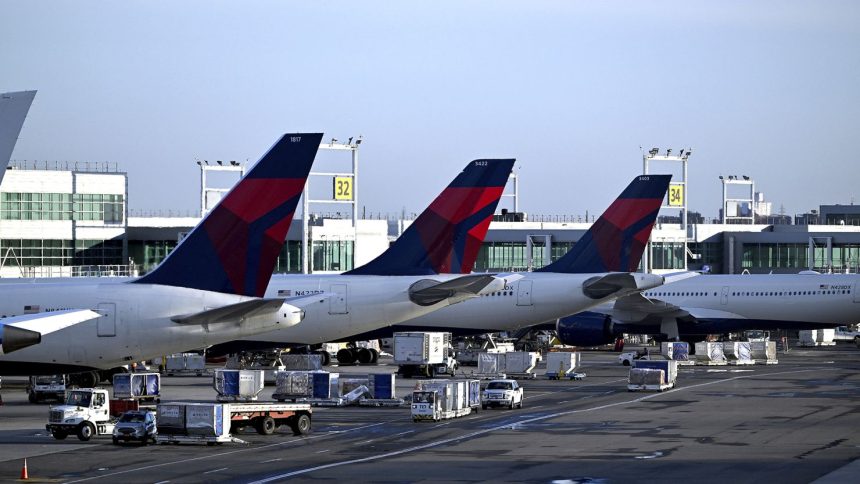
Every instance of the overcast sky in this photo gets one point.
(571, 89)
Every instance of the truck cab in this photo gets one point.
(45, 387)
(426, 405)
(85, 413)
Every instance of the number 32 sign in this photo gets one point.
(343, 188)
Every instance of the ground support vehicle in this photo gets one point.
(502, 393)
(424, 354)
(85, 414)
(135, 426)
(844, 333)
(184, 364)
(676, 350)
(628, 357)
(213, 423)
(437, 400)
(46, 387)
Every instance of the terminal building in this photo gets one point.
(70, 219)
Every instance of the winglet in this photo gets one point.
(615, 242)
(234, 249)
(446, 237)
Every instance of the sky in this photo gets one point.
(575, 90)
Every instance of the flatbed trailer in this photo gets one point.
(266, 417)
(215, 423)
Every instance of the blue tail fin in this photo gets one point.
(615, 242)
(446, 237)
(234, 249)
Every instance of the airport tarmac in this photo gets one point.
(792, 422)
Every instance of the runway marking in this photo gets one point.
(509, 425)
(364, 442)
(238, 451)
(321, 451)
(403, 433)
(216, 470)
(162, 482)
(270, 460)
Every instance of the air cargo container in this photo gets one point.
(562, 364)
(669, 367)
(137, 386)
(237, 385)
(184, 364)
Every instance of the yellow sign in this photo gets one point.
(676, 195)
(343, 188)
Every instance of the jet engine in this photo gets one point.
(586, 329)
(13, 338)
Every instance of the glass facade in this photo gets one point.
(61, 206)
(331, 255)
(766, 256)
(38, 252)
(513, 256)
(667, 255)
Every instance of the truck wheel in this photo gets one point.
(60, 434)
(483, 407)
(375, 359)
(266, 425)
(325, 357)
(511, 405)
(301, 424)
(520, 405)
(626, 362)
(86, 431)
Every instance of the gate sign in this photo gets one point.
(676, 195)
(343, 188)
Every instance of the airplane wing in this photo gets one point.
(428, 292)
(260, 307)
(19, 332)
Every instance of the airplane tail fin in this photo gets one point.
(14, 107)
(615, 242)
(234, 249)
(446, 237)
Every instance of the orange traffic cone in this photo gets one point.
(24, 475)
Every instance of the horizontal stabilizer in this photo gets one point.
(274, 308)
(428, 292)
(19, 332)
(619, 283)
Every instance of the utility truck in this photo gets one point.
(46, 387)
(424, 354)
(85, 414)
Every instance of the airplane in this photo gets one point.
(419, 273)
(719, 304)
(208, 290)
(575, 282)
(14, 107)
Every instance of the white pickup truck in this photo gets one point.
(844, 333)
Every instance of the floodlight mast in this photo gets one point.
(677, 195)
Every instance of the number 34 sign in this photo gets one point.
(676, 195)
(343, 188)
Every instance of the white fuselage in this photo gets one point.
(801, 298)
(135, 325)
(536, 298)
(139, 325)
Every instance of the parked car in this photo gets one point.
(502, 393)
(136, 426)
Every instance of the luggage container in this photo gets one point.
(669, 367)
(291, 385)
(653, 379)
(675, 350)
(710, 353)
(520, 364)
(137, 386)
(562, 364)
(297, 362)
(763, 352)
(237, 385)
(737, 352)
(184, 364)
(491, 365)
